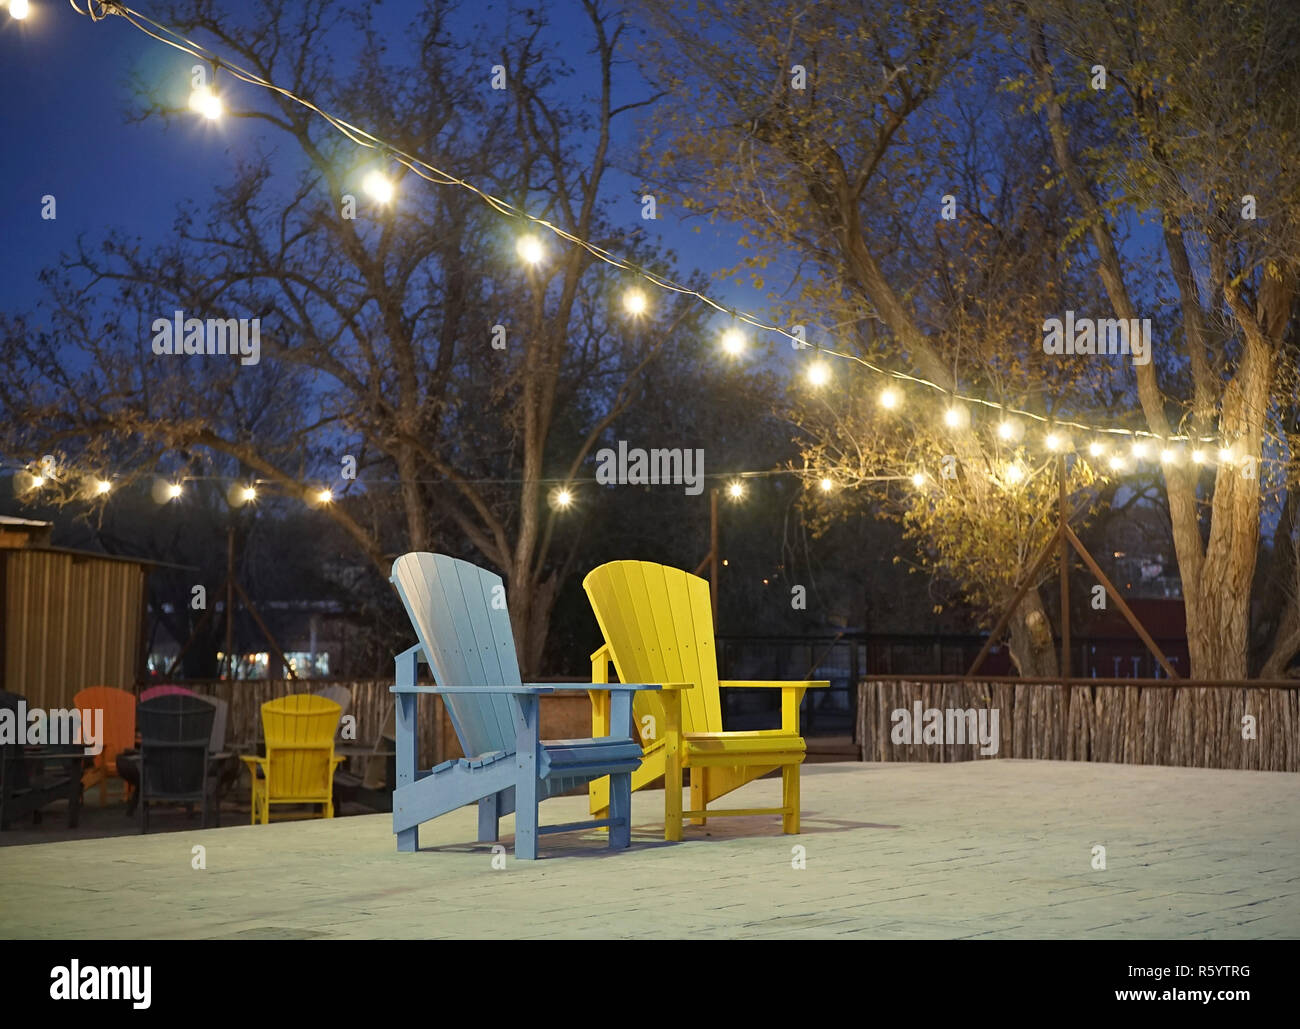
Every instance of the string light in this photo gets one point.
(433, 174)
(889, 398)
(819, 373)
(955, 417)
(736, 489)
(102, 486)
(562, 498)
(1054, 442)
(379, 186)
(1139, 451)
(827, 485)
(324, 496)
(173, 490)
(248, 494)
(37, 481)
(733, 342)
(19, 9)
(1012, 473)
(1168, 456)
(635, 302)
(207, 103)
(1198, 456)
(1007, 429)
(1096, 450)
(1117, 463)
(1225, 455)
(530, 249)
(918, 479)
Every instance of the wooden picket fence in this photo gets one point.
(1149, 722)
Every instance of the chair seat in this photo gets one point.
(756, 741)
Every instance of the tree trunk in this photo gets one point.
(1032, 648)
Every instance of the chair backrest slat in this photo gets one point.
(460, 618)
(175, 732)
(299, 731)
(658, 623)
(119, 720)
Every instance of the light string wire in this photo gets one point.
(97, 10)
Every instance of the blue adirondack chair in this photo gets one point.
(459, 615)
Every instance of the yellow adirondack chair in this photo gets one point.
(658, 628)
(299, 764)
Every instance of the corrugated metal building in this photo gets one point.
(69, 619)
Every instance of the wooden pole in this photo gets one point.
(275, 647)
(713, 554)
(230, 603)
(1065, 569)
(1119, 601)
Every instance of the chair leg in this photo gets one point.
(489, 825)
(620, 807)
(526, 805)
(699, 793)
(408, 840)
(673, 801)
(790, 799)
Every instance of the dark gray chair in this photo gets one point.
(175, 737)
(33, 777)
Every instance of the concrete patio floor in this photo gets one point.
(980, 849)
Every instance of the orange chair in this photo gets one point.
(118, 707)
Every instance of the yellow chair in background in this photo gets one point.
(299, 764)
(658, 627)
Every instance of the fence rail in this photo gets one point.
(1155, 721)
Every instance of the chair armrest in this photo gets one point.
(252, 759)
(525, 689)
(791, 696)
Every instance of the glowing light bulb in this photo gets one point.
(736, 489)
(379, 186)
(827, 485)
(733, 342)
(530, 249)
(890, 398)
(1167, 456)
(1054, 442)
(954, 417)
(248, 494)
(324, 496)
(173, 490)
(102, 486)
(1139, 451)
(1225, 454)
(819, 373)
(1013, 473)
(563, 498)
(635, 302)
(1095, 450)
(1117, 463)
(1006, 430)
(207, 103)
(19, 9)
(918, 480)
(1198, 456)
(38, 481)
